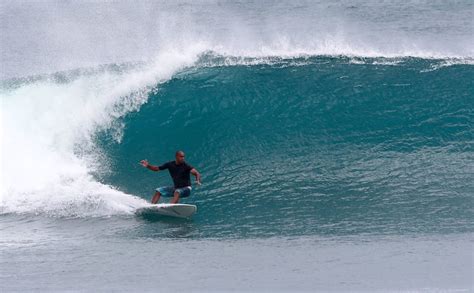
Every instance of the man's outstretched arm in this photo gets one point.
(197, 175)
(147, 165)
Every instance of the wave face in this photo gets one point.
(312, 145)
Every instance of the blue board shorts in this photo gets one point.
(168, 191)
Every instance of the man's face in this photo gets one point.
(179, 158)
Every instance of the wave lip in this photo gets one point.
(215, 59)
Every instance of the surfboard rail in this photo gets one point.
(178, 210)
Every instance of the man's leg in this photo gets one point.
(156, 197)
(175, 198)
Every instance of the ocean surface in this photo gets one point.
(335, 141)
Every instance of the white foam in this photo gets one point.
(449, 62)
(48, 128)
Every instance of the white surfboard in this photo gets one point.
(179, 210)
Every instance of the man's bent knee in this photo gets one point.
(156, 197)
(175, 197)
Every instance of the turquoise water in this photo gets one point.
(335, 142)
(315, 146)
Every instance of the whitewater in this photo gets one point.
(335, 141)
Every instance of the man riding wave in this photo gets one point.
(180, 173)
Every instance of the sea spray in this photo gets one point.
(49, 128)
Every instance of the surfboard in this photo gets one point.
(179, 210)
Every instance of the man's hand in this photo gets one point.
(198, 176)
(147, 165)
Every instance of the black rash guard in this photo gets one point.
(179, 173)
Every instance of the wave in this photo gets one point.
(357, 141)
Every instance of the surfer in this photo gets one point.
(179, 171)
